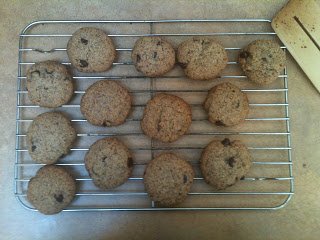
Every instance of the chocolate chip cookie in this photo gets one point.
(49, 84)
(91, 50)
(51, 190)
(226, 105)
(166, 117)
(224, 162)
(106, 103)
(168, 179)
(109, 163)
(153, 56)
(202, 58)
(49, 137)
(262, 61)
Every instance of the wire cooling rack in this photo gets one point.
(266, 131)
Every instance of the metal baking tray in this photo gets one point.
(266, 131)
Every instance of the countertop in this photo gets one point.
(298, 220)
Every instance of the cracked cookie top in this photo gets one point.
(166, 117)
(109, 163)
(202, 58)
(49, 84)
(262, 61)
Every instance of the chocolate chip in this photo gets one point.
(35, 72)
(264, 59)
(138, 58)
(158, 43)
(159, 126)
(226, 142)
(183, 65)
(48, 72)
(238, 104)
(219, 123)
(33, 148)
(244, 54)
(185, 178)
(130, 162)
(155, 54)
(84, 41)
(83, 63)
(59, 198)
(204, 42)
(230, 161)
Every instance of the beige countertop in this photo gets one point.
(300, 219)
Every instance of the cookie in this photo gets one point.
(224, 162)
(109, 163)
(166, 117)
(226, 105)
(202, 58)
(168, 179)
(49, 137)
(106, 103)
(91, 50)
(49, 84)
(153, 56)
(51, 190)
(262, 61)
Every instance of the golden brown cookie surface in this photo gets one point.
(166, 117)
(224, 162)
(51, 190)
(168, 179)
(109, 163)
(49, 137)
(91, 50)
(226, 105)
(106, 103)
(49, 84)
(202, 58)
(153, 56)
(262, 61)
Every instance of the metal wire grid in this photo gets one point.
(21, 165)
